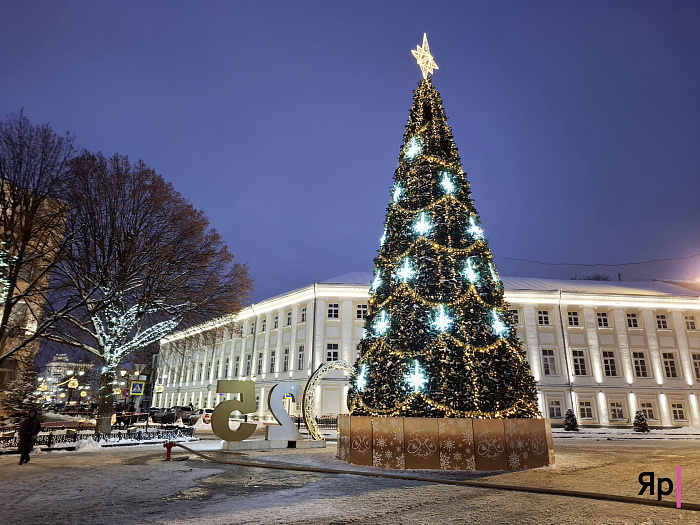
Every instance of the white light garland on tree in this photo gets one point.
(422, 226)
(470, 273)
(442, 321)
(494, 275)
(498, 326)
(381, 325)
(447, 185)
(413, 148)
(398, 191)
(406, 271)
(474, 230)
(377, 282)
(361, 382)
(382, 239)
(416, 379)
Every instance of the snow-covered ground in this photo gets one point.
(130, 485)
(628, 433)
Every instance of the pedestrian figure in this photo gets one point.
(28, 432)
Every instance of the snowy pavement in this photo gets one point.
(134, 485)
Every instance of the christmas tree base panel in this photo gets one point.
(445, 443)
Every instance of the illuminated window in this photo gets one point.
(333, 310)
(548, 365)
(609, 363)
(573, 319)
(515, 316)
(602, 320)
(647, 408)
(300, 358)
(661, 322)
(678, 411)
(554, 406)
(586, 409)
(632, 321)
(579, 359)
(332, 352)
(690, 322)
(640, 364)
(543, 317)
(361, 311)
(670, 364)
(616, 410)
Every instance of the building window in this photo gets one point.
(263, 327)
(554, 408)
(361, 311)
(226, 365)
(632, 321)
(514, 316)
(303, 315)
(690, 322)
(209, 370)
(616, 411)
(332, 352)
(543, 317)
(678, 411)
(586, 409)
(670, 364)
(640, 364)
(548, 366)
(285, 362)
(215, 372)
(272, 362)
(573, 319)
(300, 358)
(194, 371)
(696, 366)
(238, 366)
(579, 362)
(252, 328)
(333, 311)
(602, 320)
(661, 322)
(289, 318)
(260, 363)
(647, 408)
(609, 363)
(248, 364)
(276, 322)
(201, 371)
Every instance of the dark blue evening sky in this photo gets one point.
(578, 123)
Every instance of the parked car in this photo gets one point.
(203, 413)
(172, 414)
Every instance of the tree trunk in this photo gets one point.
(105, 408)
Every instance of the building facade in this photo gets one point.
(604, 349)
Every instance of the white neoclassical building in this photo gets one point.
(605, 349)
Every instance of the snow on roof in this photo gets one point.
(513, 284)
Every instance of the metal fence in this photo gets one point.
(70, 437)
(324, 422)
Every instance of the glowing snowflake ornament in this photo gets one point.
(361, 382)
(416, 378)
(447, 185)
(412, 148)
(406, 271)
(381, 325)
(398, 191)
(498, 326)
(442, 321)
(422, 226)
(474, 229)
(470, 273)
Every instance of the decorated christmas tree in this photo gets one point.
(439, 339)
(570, 421)
(640, 422)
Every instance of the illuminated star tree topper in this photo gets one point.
(424, 58)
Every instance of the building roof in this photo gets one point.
(514, 284)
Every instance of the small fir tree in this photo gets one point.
(640, 422)
(20, 397)
(439, 339)
(570, 421)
